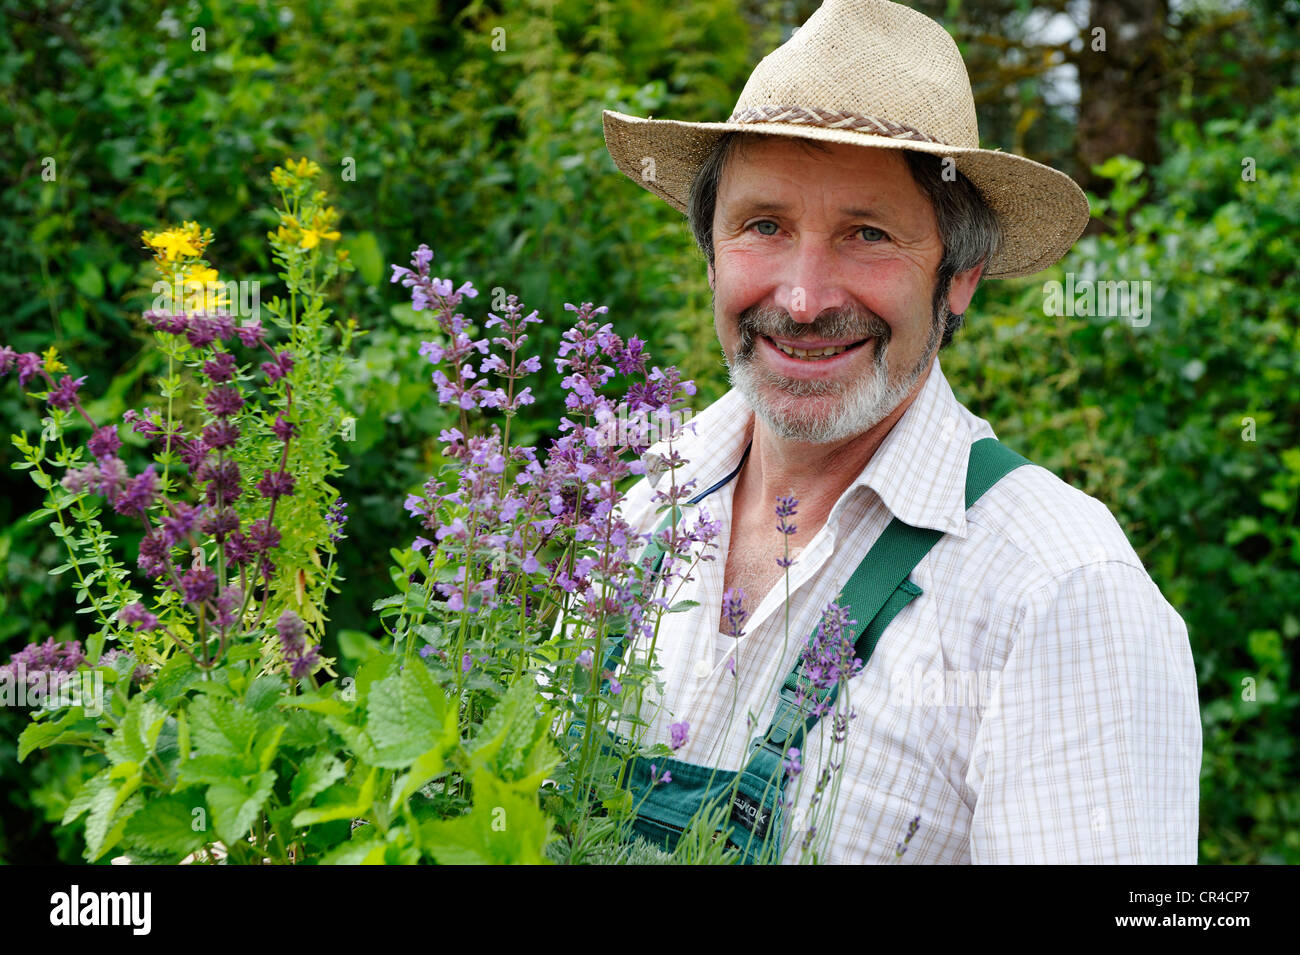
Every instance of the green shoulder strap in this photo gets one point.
(877, 591)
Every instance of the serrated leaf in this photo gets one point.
(105, 824)
(236, 804)
(357, 739)
(268, 744)
(426, 768)
(348, 804)
(84, 798)
(166, 825)
(137, 734)
(407, 715)
(206, 770)
(221, 727)
(505, 827)
(263, 692)
(316, 774)
(510, 733)
(47, 732)
(363, 852)
(683, 605)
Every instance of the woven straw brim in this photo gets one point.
(1042, 211)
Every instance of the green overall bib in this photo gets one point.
(877, 591)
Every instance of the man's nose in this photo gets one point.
(810, 283)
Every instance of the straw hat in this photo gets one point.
(869, 73)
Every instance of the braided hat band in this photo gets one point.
(829, 119)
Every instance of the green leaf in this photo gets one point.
(206, 770)
(406, 716)
(356, 645)
(109, 811)
(137, 734)
(683, 605)
(512, 732)
(263, 692)
(348, 803)
(316, 774)
(268, 744)
(167, 824)
(47, 733)
(505, 827)
(221, 727)
(426, 768)
(362, 852)
(236, 803)
(369, 259)
(88, 280)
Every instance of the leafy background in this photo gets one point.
(476, 127)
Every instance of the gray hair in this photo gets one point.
(969, 228)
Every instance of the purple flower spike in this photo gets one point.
(275, 370)
(792, 764)
(252, 334)
(786, 507)
(284, 430)
(105, 442)
(65, 392)
(136, 613)
(276, 484)
(680, 734)
(292, 632)
(734, 612)
(179, 523)
(302, 666)
(262, 536)
(139, 494)
(202, 331)
(29, 366)
(220, 434)
(224, 401)
(221, 368)
(198, 585)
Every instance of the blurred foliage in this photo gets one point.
(476, 128)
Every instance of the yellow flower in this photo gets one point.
(199, 275)
(203, 288)
(293, 173)
(52, 363)
(186, 242)
(322, 227)
(304, 168)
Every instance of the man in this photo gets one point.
(1037, 702)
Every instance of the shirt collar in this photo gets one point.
(919, 470)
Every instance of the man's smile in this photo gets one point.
(817, 351)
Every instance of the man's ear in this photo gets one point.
(711, 285)
(962, 289)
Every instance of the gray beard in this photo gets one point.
(863, 405)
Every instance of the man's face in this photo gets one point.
(823, 279)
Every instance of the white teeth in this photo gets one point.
(808, 354)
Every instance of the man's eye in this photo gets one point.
(763, 222)
(876, 237)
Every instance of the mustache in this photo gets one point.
(849, 322)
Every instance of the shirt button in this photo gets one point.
(702, 669)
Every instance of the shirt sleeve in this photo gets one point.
(1090, 751)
